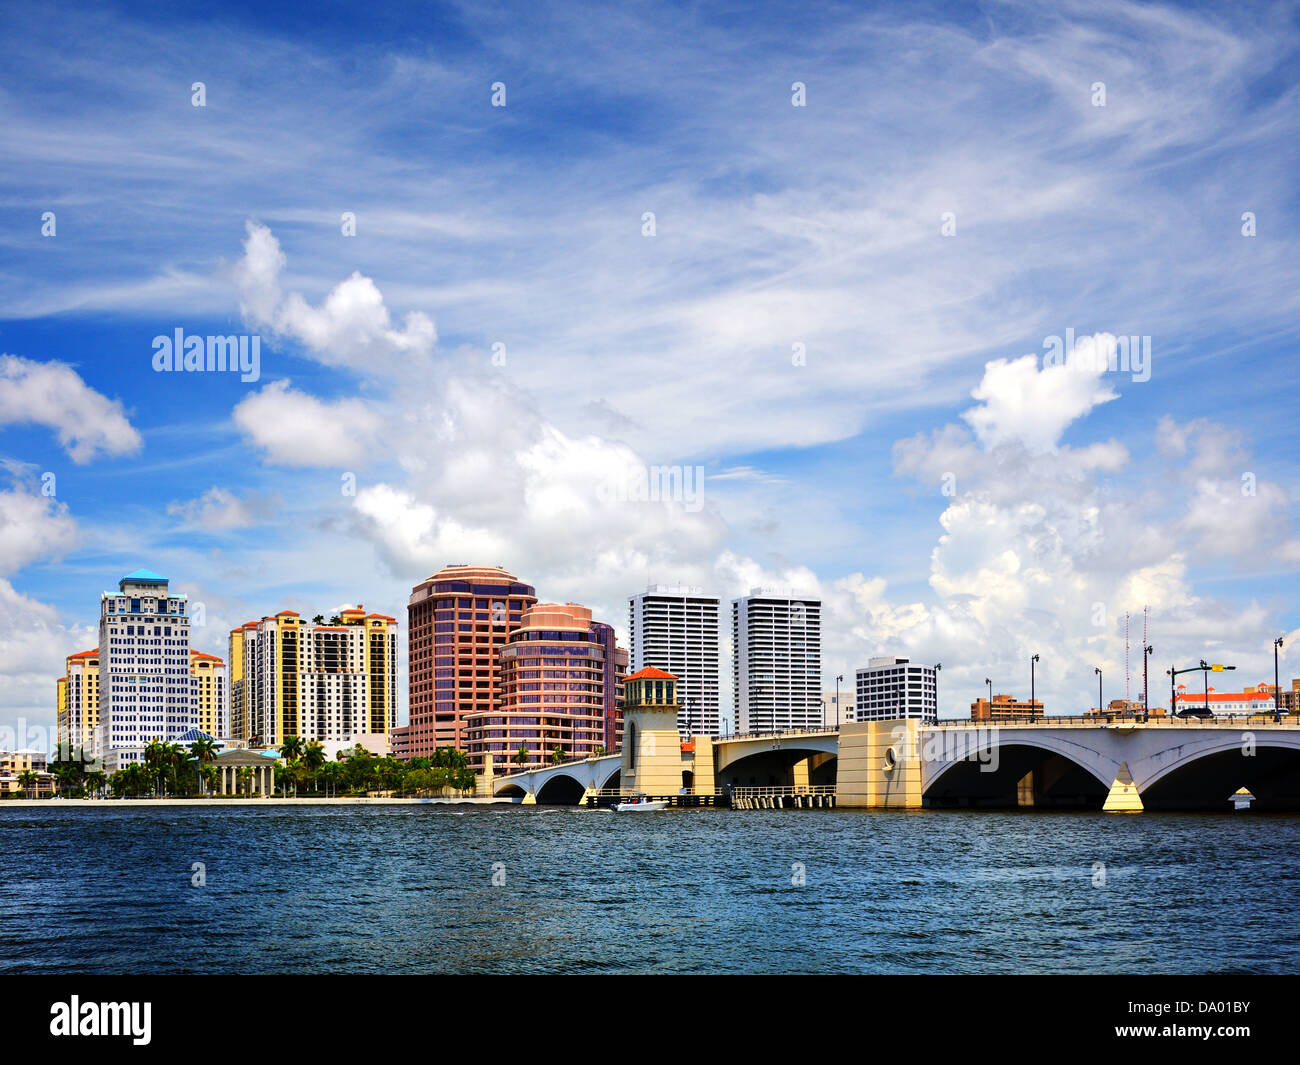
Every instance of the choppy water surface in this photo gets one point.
(410, 890)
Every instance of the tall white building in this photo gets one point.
(675, 628)
(777, 661)
(145, 688)
(891, 688)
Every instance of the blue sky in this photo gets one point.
(775, 226)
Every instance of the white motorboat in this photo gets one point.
(640, 804)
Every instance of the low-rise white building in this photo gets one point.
(891, 688)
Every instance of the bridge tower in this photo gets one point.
(653, 759)
(880, 764)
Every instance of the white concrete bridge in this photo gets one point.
(1163, 763)
(566, 783)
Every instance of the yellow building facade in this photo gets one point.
(78, 703)
(321, 682)
(210, 684)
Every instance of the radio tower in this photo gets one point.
(1144, 653)
(1126, 697)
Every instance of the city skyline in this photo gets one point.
(829, 375)
(348, 690)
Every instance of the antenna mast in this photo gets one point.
(1126, 670)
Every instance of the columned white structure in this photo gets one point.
(241, 772)
(675, 628)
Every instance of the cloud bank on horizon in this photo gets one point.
(800, 327)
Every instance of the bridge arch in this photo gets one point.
(1012, 768)
(1204, 774)
(784, 765)
(561, 789)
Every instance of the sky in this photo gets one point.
(862, 267)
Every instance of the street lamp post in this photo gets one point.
(1147, 652)
(937, 666)
(1032, 700)
(990, 684)
(1100, 705)
(1277, 684)
(837, 700)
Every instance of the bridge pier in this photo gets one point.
(1025, 790)
(1123, 796)
(879, 765)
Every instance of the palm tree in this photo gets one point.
(203, 751)
(175, 760)
(313, 757)
(155, 754)
(95, 781)
(558, 754)
(245, 775)
(27, 780)
(522, 757)
(291, 750)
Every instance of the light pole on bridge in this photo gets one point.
(1032, 700)
(1100, 705)
(1277, 684)
(1147, 652)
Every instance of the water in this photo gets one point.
(406, 889)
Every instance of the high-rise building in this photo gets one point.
(776, 661)
(238, 681)
(146, 691)
(675, 628)
(79, 705)
(209, 673)
(892, 688)
(325, 683)
(562, 685)
(458, 621)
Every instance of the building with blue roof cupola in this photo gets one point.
(147, 689)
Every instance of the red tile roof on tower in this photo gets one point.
(649, 673)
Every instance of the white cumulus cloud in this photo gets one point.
(53, 394)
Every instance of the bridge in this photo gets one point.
(566, 783)
(1123, 764)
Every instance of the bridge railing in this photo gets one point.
(794, 789)
(516, 771)
(1153, 720)
(827, 731)
(616, 792)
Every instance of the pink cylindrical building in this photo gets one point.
(561, 686)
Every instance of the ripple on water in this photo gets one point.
(411, 889)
